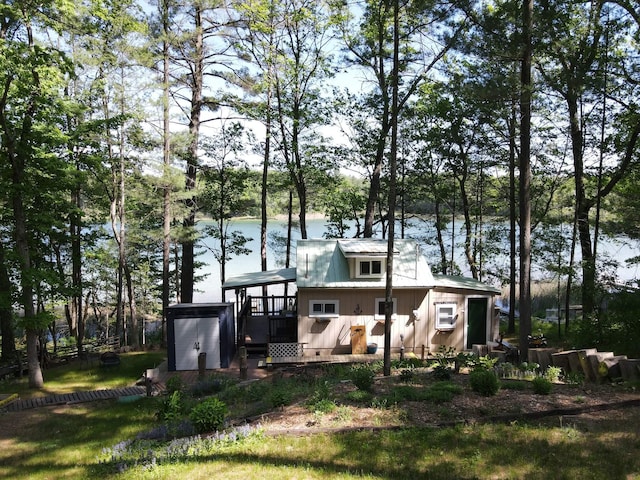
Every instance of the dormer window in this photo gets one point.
(367, 267)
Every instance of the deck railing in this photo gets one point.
(280, 312)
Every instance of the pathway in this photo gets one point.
(75, 397)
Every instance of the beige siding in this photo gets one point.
(357, 307)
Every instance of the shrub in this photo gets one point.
(484, 382)
(359, 396)
(280, 396)
(441, 372)
(175, 384)
(172, 407)
(324, 405)
(552, 373)
(406, 375)
(362, 377)
(541, 386)
(208, 416)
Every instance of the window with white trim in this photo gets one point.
(324, 308)
(379, 315)
(367, 268)
(446, 316)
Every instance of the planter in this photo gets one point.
(372, 348)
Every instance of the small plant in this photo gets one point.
(484, 363)
(175, 384)
(359, 396)
(407, 375)
(322, 406)
(541, 386)
(515, 385)
(172, 408)
(552, 373)
(208, 416)
(441, 372)
(362, 377)
(574, 378)
(280, 396)
(484, 382)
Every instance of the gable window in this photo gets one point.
(369, 268)
(324, 308)
(446, 316)
(379, 315)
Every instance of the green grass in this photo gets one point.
(66, 443)
(69, 442)
(78, 376)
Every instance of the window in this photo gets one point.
(379, 315)
(446, 316)
(369, 268)
(323, 308)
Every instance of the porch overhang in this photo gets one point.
(260, 279)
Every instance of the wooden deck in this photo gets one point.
(342, 358)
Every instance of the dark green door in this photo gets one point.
(477, 322)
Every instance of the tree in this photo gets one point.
(585, 69)
(31, 110)
(225, 175)
(369, 46)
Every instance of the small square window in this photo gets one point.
(370, 268)
(324, 308)
(446, 316)
(380, 303)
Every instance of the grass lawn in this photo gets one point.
(75, 441)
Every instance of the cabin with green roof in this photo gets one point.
(339, 299)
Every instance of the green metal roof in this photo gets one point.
(465, 283)
(323, 264)
(258, 279)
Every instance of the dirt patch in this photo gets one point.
(515, 401)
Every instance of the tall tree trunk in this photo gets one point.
(76, 267)
(388, 304)
(6, 312)
(188, 244)
(525, 179)
(166, 161)
(513, 217)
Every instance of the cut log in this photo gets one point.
(630, 369)
(610, 367)
(594, 363)
(544, 357)
(561, 359)
(574, 359)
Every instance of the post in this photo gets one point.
(243, 363)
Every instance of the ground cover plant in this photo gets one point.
(328, 427)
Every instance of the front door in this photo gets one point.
(476, 322)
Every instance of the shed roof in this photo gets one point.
(258, 279)
(323, 264)
(464, 283)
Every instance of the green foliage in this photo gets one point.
(541, 386)
(484, 382)
(362, 376)
(209, 415)
(280, 395)
(359, 396)
(514, 385)
(407, 375)
(175, 384)
(173, 407)
(552, 373)
(483, 363)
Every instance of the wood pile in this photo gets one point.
(595, 366)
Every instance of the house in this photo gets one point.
(339, 304)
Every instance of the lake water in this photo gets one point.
(209, 290)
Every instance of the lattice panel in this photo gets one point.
(285, 350)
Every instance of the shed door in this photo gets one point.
(194, 336)
(476, 322)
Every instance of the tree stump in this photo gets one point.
(610, 367)
(630, 369)
(594, 364)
